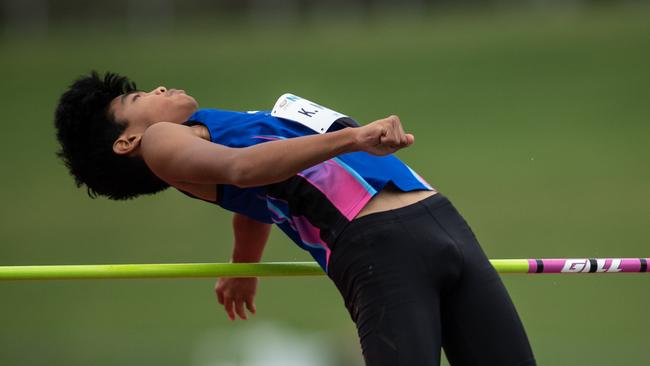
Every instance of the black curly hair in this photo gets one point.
(86, 130)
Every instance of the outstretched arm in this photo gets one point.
(250, 240)
(176, 155)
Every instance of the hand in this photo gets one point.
(234, 293)
(383, 137)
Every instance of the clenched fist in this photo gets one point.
(383, 137)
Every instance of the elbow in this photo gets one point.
(240, 175)
(236, 169)
(244, 175)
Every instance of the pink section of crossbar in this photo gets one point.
(532, 266)
(585, 265)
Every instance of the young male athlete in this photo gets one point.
(409, 268)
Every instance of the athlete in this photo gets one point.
(411, 272)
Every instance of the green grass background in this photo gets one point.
(536, 125)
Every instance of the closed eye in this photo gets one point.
(135, 96)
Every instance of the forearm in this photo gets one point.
(250, 239)
(278, 160)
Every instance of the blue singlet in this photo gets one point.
(313, 206)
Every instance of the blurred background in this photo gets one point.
(532, 116)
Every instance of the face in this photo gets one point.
(143, 109)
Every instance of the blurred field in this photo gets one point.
(537, 126)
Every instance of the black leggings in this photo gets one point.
(415, 279)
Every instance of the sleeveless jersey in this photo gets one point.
(315, 205)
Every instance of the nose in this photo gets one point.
(160, 90)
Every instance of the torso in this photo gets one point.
(391, 199)
(387, 199)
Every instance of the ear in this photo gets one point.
(127, 144)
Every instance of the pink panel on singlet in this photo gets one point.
(341, 187)
(310, 235)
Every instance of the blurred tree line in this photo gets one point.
(41, 16)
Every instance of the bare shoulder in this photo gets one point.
(162, 129)
(176, 154)
(164, 135)
(160, 142)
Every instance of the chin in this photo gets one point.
(191, 108)
(191, 102)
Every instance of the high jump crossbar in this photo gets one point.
(282, 269)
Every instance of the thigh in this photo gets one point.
(480, 325)
(388, 290)
(404, 334)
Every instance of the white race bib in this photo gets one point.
(309, 114)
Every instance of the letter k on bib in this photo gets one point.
(309, 114)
